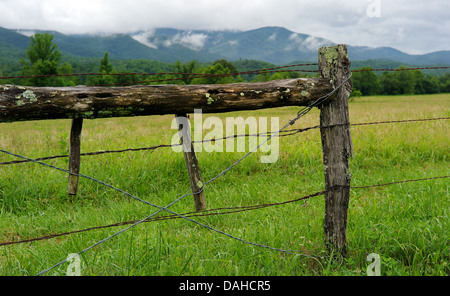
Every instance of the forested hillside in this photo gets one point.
(15, 63)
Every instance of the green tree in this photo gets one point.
(366, 82)
(43, 59)
(67, 69)
(444, 83)
(217, 69)
(105, 65)
(284, 75)
(406, 81)
(431, 85)
(190, 67)
(398, 82)
(389, 84)
(419, 82)
(263, 76)
(226, 65)
(104, 68)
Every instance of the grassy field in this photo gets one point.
(406, 224)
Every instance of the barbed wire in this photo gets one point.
(285, 133)
(237, 209)
(401, 69)
(187, 216)
(259, 71)
(303, 111)
(398, 182)
(202, 75)
(170, 217)
(213, 212)
(156, 206)
(185, 76)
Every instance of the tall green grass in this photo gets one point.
(406, 224)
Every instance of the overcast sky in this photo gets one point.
(413, 26)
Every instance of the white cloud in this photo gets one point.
(193, 41)
(295, 38)
(425, 23)
(313, 43)
(143, 38)
(27, 33)
(272, 37)
(310, 43)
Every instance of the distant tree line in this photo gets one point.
(408, 82)
(44, 58)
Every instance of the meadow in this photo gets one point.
(407, 225)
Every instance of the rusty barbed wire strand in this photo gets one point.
(398, 182)
(210, 212)
(167, 73)
(204, 213)
(401, 69)
(259, 71)
(284, 133)
(201, 76)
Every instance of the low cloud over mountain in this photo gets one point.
(276, 45)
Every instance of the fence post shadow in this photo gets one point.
(337, 146)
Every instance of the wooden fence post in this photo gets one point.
(74, 155)
(337, 146)
(193, 168)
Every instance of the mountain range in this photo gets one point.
(275, 45)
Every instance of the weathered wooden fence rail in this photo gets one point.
(18, 103)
